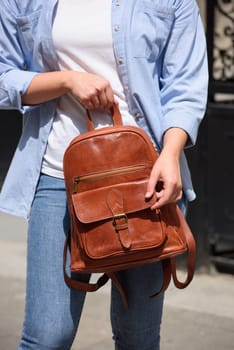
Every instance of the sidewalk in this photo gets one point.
(200, 317)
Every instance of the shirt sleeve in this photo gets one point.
(184, 77)
(14, 76)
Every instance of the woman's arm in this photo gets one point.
(184, 82)
(90, 90)
(184, 75)
(166, 170)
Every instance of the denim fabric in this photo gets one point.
(53, 310)
(138, 326)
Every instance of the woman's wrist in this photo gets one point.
(174, 141)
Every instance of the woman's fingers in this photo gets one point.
(165, 181)
(106, 98)
(169, 194)
(91, 90)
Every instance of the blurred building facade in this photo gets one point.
(211, 216)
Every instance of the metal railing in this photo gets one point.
(220, 43)
(220, 121)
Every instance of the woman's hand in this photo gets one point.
(91, 90)
(165, 178)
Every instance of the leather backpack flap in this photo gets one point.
(113, 220)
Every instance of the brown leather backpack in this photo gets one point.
(112, 226)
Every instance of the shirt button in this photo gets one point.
(116, 28)
(138, 115)
(120, 60)
(126, 87)
(117, 3)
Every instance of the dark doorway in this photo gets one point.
(11, 123)
(212, 215)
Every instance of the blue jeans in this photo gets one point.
(53, 311)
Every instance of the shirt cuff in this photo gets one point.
(13, 86)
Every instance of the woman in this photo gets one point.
(58, 59)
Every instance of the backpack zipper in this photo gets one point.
(107, 173)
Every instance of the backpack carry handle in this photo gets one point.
(116, 117)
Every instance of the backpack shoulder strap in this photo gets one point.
(72, 283)
(86, 286)
(191, 254)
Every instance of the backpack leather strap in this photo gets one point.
(86, 286)
(191, 255)
(116, 117)
(166, 266)
(72, 283)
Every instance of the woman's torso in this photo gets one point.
(141, 31)
(83, 42)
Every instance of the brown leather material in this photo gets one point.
(112, 226)
(88, 199)
(115, 201)
(116, 282)
(166, 266)
(85, 286)
(191, 256)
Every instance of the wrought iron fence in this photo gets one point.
(220, 131)
(220, 42)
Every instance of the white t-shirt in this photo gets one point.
(83, 40)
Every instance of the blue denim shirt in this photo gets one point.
(160, 55)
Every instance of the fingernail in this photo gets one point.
(147, 194)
